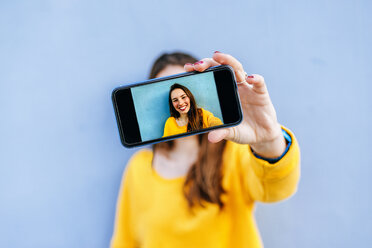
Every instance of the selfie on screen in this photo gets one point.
(177, 106)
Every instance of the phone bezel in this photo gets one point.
(155, 80)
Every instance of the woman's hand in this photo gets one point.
(259, 128)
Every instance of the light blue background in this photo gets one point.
(61, 159)
(152, 107)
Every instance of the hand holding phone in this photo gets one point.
(259, 128)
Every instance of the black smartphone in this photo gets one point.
(171, 107)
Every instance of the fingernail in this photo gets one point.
(217, 52)
(250, 76)
(188, 64)
(196, 63)
(201, 62)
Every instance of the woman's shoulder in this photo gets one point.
(140, 161)
(143, 155)
(169, 125)
(206, 112)
(170, 119)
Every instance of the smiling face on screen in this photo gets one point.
(180, 101)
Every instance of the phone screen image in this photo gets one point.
(175, 106)
(159, 107)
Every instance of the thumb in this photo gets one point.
(218, 135)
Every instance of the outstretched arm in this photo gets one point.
(262, 133)
(211, 119)
(259, 128)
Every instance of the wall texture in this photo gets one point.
(61, 159)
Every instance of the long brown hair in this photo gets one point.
(204, 179)
(195, 115)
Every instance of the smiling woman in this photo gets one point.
(185, 115)
(200, 191)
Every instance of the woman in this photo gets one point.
(200, 191)
(185, 116)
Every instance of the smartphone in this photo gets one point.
(167, 108)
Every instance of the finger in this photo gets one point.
(258, 83)
(226, 59)
(219, 134)
(204, 64)
(189, 67)
(200, 65)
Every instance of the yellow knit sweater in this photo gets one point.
(171, 127)
(152, 211)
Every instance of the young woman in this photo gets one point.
(200, 191)
(185, 116)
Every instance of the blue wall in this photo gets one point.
(60, 155)
(152, 107)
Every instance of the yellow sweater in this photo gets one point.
(171, 127)
(152, 211)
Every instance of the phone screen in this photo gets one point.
(176, 106)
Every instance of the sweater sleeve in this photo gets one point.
(211, 120)
(266, 182)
